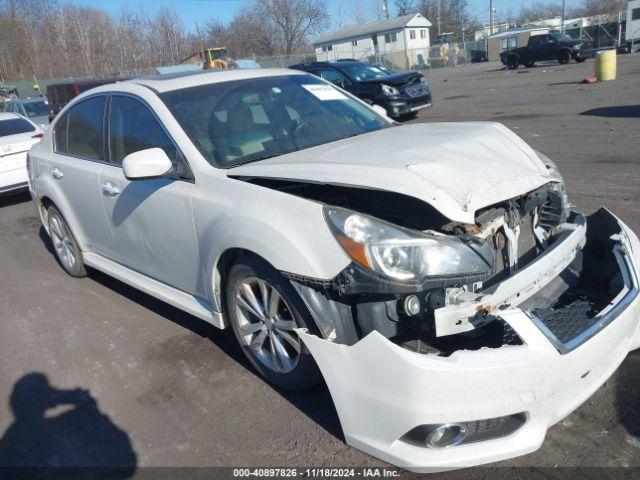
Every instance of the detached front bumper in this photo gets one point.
(382, 391)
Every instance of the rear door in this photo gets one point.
(78, 157)
(152, 219)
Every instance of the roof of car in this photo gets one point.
(84, 81)
(8, 116)
(177, 81)
(29, 100)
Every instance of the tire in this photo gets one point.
(564, 57)
(65, 247)
(261, 333)
(529, 64)
(580, 59)
(513, 62)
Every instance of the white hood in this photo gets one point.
(457, 168)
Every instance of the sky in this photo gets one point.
(223, 10)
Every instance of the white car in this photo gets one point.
(433, 274)
(17, 135)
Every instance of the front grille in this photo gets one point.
(569, 321)
(418, 90)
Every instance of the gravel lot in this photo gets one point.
(173, 391)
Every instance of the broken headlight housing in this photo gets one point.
(407, 255)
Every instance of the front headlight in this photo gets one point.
(391, 91)
(407, 255)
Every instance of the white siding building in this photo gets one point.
(404, 41)
(632, 33)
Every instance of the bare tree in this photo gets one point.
(597, 7)
(405, 7)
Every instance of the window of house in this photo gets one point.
(423, 33)
(132, 127)
(412, 34)
(354, 43)
(390, 37)
(635, 14)
(513, 42)
(79, 133)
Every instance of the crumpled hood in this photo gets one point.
(396, 80)
(457, 168)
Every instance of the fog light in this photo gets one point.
(396, 109)
(446, 435)
(412, 305)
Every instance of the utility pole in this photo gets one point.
(490, 17)
(385, 7)
(438, 19)
(562, 17)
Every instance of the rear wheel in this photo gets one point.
(529, 64)
(264, 309)
(65, 246)
(564, 57)
(513, 62)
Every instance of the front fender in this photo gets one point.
(287, 231)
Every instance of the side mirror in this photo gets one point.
(149, 163)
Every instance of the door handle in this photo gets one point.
(110, 190)
(57, 174)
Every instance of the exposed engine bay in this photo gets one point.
(446, 313)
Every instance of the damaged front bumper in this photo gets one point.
(503, 399)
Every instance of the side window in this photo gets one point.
(333, 76)
(60, 134)
(132, 127)
(84, 130)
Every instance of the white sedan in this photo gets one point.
(433, 274)
(17, 135)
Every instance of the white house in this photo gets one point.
(632, 33)
(404, 41)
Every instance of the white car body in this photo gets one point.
(13, 154)
(169, 238)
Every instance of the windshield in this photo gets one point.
(13, 126)
(361, 71)
(243, 121)
(36, 109)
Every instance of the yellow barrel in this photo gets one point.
(606, 65)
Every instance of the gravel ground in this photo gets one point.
(156, 387)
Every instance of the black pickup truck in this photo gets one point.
(551, 46)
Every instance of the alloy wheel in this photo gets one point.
(266, 325)
(61, 237)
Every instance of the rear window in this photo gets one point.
(14, 126)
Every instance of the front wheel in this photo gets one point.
(263, 310)
(564, 57)
(513, 62)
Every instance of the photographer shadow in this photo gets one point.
(56, 430)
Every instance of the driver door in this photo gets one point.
(151, 219)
